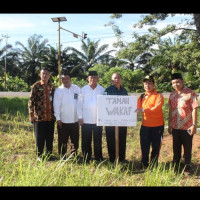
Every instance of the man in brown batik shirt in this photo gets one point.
(41, 113)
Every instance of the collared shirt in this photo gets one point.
(87, 103)
(65, 103)
(181, 106)
(41, 101)
(152, 104)
(113, 90)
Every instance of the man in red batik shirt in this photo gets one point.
(182, 122)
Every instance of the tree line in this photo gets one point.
(150, 53)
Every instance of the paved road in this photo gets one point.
(27, 94)
(14, 94)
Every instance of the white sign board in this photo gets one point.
(116, 110)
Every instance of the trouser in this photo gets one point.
(181, 137)
(151, 136)
(110, 138)
(68, 130)
(89, 130)
(44, 134)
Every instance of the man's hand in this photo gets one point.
(170, 130)
(31, 118)
(139, 110)
(80, 121)
(192, 130)
(59, 122)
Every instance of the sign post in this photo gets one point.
(116, 143)
(116, 110)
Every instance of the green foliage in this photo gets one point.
(78, 82)
(132, 80)
(12, 107)
(14, 84)
(55, 81)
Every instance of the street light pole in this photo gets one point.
(59, 19)
(59, 56)
(83, 36)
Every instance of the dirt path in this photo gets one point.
(167, 151)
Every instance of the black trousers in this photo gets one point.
(68, 130)
(110, 138)
(150, 136)
(44, 134)
(181, 137)
(89, 130)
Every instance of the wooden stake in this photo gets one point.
(116, 143)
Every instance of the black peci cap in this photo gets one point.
(176, 76)
(93, 73)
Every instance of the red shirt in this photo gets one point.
(181, 106)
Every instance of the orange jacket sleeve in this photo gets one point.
(158, 105)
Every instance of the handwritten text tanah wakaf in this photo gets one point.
(118, 110)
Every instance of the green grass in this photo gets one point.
(19, 166)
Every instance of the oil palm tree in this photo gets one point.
(91, 54)
(50, 59)
(31, 57)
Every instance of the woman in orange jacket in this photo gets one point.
(150, 105)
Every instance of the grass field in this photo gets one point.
(19, 166)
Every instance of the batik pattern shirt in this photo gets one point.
(181, 106)
(41, 101)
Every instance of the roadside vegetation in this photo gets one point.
(19, 166)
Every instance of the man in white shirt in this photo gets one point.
(87, 115)
(65, 111)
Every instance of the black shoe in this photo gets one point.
(99, 159)
(144, 166)
(52, 158)
(187, 168)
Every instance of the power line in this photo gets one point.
(98, 36)
(54, 34)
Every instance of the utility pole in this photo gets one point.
(5, 72)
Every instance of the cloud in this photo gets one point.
(8, 23)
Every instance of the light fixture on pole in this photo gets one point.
(83, 36)
(59, 19)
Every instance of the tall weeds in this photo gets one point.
(19, 166)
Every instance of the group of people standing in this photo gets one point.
(72, 107)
